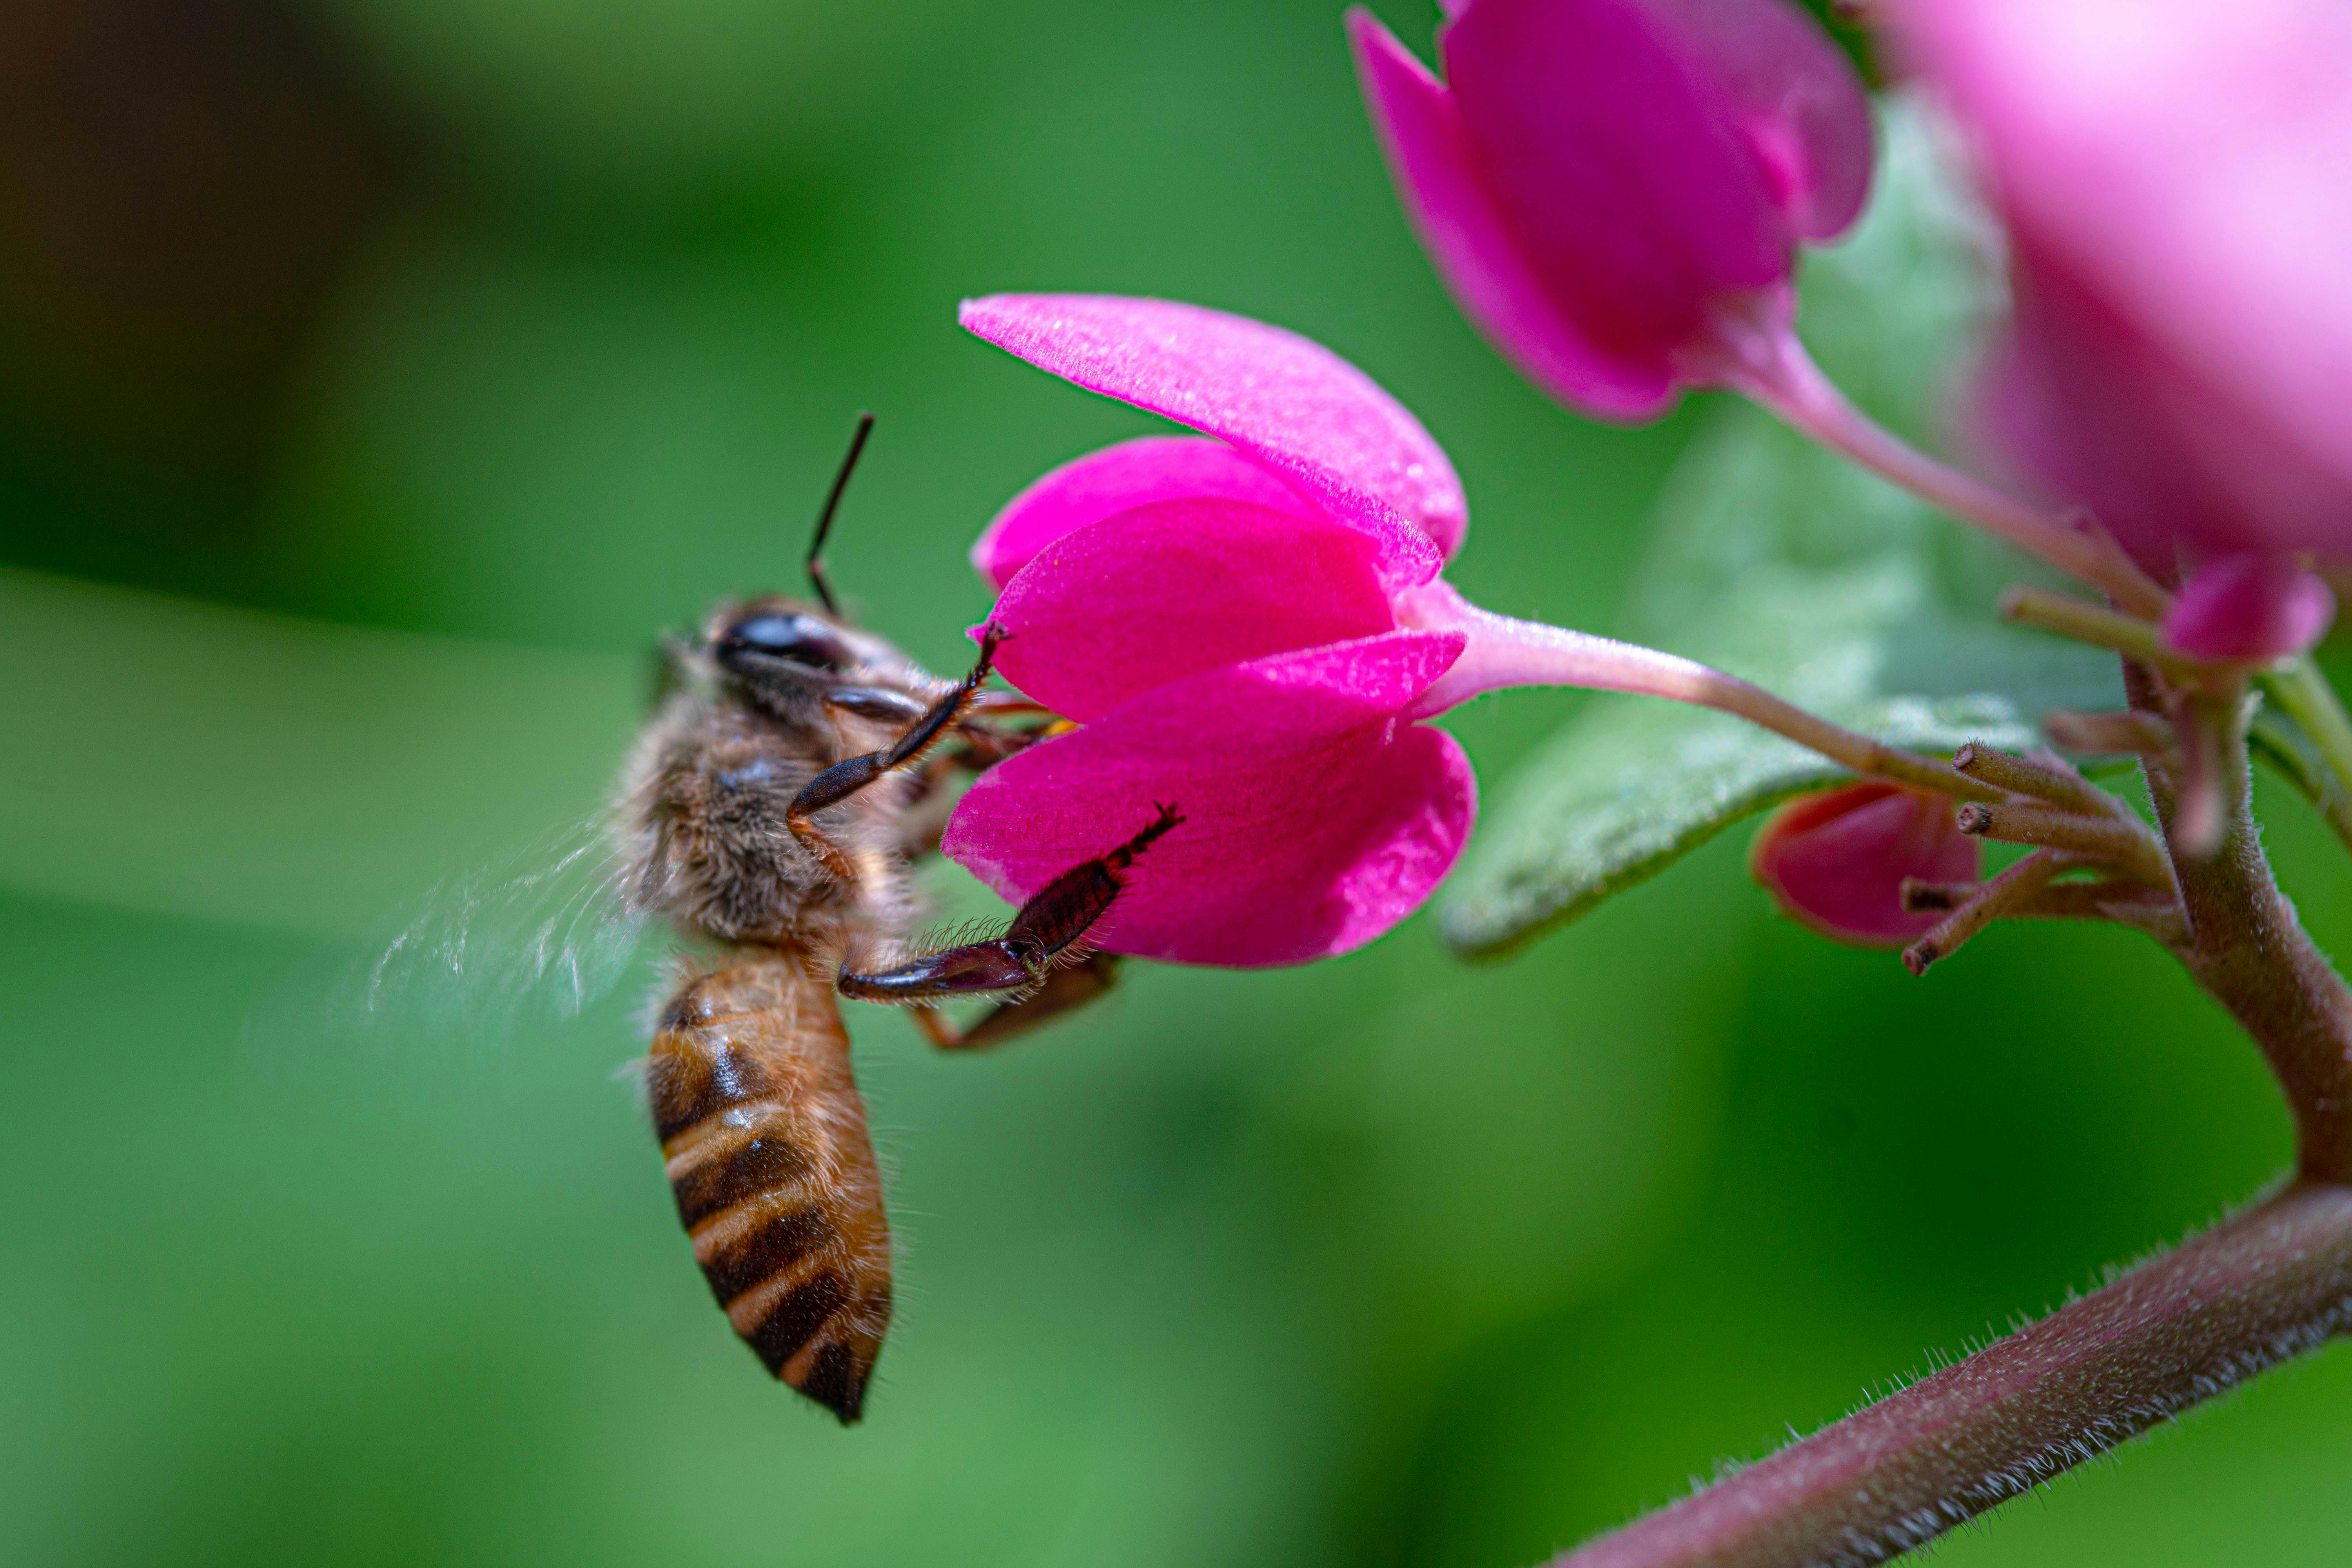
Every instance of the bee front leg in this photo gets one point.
(844, 779)
(1041, 959)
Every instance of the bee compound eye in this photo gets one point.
(797, 639)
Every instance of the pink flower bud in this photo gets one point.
(1836, 859)
(2249, 608)
(1604, 183)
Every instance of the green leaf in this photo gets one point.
(1779, 562)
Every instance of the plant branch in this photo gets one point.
(2126, 843)
(2248, 950)
(2269, 1284)
(2155, 911)
(2126, 733)
(2068, 616)
(2043, 778)
(1984, 904)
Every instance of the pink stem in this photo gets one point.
(2270, 1284)
(1504, 652)
(1763, 360)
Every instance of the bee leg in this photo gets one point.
(844, 779)
(1045, 942)
(925, 822)
(1070, 988)
(980, 745)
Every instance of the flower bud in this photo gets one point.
(2249, 608)
(1606, 184)
(1837, 859)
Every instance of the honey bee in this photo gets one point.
(794, 770)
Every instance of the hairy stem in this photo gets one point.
(2269, 1284)
(2248, 950)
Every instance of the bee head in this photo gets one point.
(787, 657)
(774, 636)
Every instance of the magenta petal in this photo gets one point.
(1293, 404)
(2187, 162)
(1475, 251)
(1612, 152)
(1794, 96)
(1132, 474)
(2104, 417)
(1314, 819)
(1164, 591)
(2249, 608)
(1836, 859)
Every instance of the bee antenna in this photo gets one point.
(824, 518)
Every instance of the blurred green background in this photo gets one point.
(380, 375)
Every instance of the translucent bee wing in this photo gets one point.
(544, 931)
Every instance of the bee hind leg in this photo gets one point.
(1042, 960)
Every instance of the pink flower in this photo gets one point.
(2177, 182)
(1614, 189)
(1247, 623)
(1836, 859)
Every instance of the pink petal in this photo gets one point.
(1291, 403)
(1315, 820)
(1162, 592)
(1836, 859)
(2105, 417)
(1130, 474)
(2249, 608)
(2188, 163)
(1612, 152)
(1794, 96)
(1475, 252)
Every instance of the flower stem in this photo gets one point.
(1984, 904)
(2269, 1284)
(2305, 696)
(2068, 616)
(2044, 779)
(2120, 840)
(1765, 361)
(1504, 652)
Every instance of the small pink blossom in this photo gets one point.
(2177, 180)
(1836, 859)
(1614, 190)
(2248, 608)
(1248, 623)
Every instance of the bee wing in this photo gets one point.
(544, 931)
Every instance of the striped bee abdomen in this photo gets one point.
(765, 1143)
